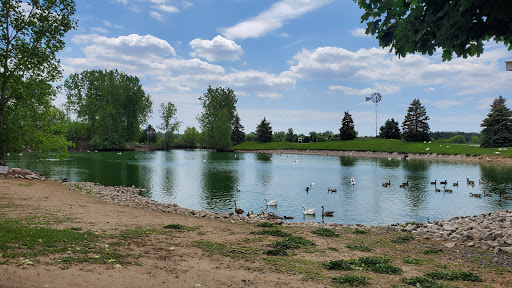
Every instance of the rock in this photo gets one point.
(450, 244)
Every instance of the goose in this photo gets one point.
(447, 190)
(309, 211)
(307, 189)
(331, 190)
(386, 184)
(405, 184)
(327, 213)
(475, 195)
(437, 189)
(487, 194)
(434, 182)
(271, 202)
(456, 184)
(288, 217)
(312, 184)
(443, 182)
(238, 211)
(506, 197)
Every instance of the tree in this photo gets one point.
(278, 136)
(113, 103)
(237, 131)
(290, 137)
(390, 130)
(169, 124)
(31, 37)
(190, 137)
(149, 135)
(497, 131)
(264, 131)
(347, 130)
(219, 109)
(415, 126)
(458, 27)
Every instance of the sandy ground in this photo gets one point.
(172, 260)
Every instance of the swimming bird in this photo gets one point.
(327, 213)
(271, 202)
(307, 189)
(332, 190)
(456, 184)
(353, 181)
(312, 184)
(386, 184)
(447, 190)
(405, 184)
(475, 195)
(309, 211)
(204, 160)
(443, 182)
(287, 217)
(487, 194)
(437, 189)
(434, 183)
(238, 211)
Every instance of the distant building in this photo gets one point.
(299, 140)
(509, 65)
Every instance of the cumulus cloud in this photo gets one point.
(359, 32)
(218, 49)
(273, 18)
(383, 89)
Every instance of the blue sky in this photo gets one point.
(299, 63)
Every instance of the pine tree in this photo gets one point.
(390, 130)
(237, 131)
(415, 126)
(497, 131)
(347, 130)
(264, 131)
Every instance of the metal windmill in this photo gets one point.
(375, 98)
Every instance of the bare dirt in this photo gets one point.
(163, 259)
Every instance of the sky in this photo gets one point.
(299, 63)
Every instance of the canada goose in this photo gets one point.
(386, 184)
(307, 189)
(434, 183)
(443, 182)
(456, 184)
(288, 217)
(405, 184)
(487, 194)
(447, 190)
(238, 211)
(327, 213)
(437, 189)
(475, 195)
(309, 211)
(506, 197)
(271, 202)
(331, 190)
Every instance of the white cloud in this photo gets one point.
(166, 8)
(430, 89)
(273, 18)
(157, 16)
(99, 30)
(446, 103)
(218, 49)
(359, 32)
(383, 89)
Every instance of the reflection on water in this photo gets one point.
(212, 181)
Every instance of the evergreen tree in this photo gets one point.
(347, 130)
(497, 131)
(415, 126)
(237, 131)
(390, 130)
(264, 131)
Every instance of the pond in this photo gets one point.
(200, 179)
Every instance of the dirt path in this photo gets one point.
(213, 253)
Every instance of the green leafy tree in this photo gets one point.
(149, 135)
(497, 131)
(169, 124)
(31, 37)
(219, 110)
(347, 130)
(422, 26)
(415, 126)
(459, 139)
(278, 136)
(290, 137)
(113, 103)
(190, 137)
(237, 134)
(264, 131)
(390, 130)
(250, 137)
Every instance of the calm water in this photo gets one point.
(212, 181)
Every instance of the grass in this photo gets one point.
(179, 227)
(360, 231)
(272, 232)
(325, 232)
(402, 239)
(266, 225)
(422, 282)
(351, 280)
(454, 276)
(377, 264)
(379, 145)
(359, 247)
(293, 242)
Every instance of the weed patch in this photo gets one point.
(325, 232)
(359, 247)
(454, 276)
(351, 280)
(272, 232)
(432, 252)
(293, 242)
(266, 225)
(403, 239)
(360, 231)
(422, 282)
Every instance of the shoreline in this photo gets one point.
(393, 155)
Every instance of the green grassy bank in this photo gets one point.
(381, 145)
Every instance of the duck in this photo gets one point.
(434, 182)
(238, 211)
(271, 202)
(443, 182)
(309, 211)
(327, 213)
(447, 190)
(456, 184)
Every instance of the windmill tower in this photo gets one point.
(375, 98)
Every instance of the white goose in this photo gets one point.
(309, 211)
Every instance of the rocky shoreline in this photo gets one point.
(491, 231)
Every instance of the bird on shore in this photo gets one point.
(238, 211)
(271, 202)
(308, 211)
(327, 213)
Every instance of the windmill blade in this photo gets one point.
(368, 98)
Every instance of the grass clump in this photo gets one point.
(272, 232)
(277, 252)
(345, 265)
(175, 227)
(359, 247)
(135, 233)
(293, 242)
(386, 269)
(422, 282)
(351, 280)
(360, 231)
(266, 225)
(375, 264)
(402, 239)
(414, 261)
(325, 232)
(454, 276)
(432, 251)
